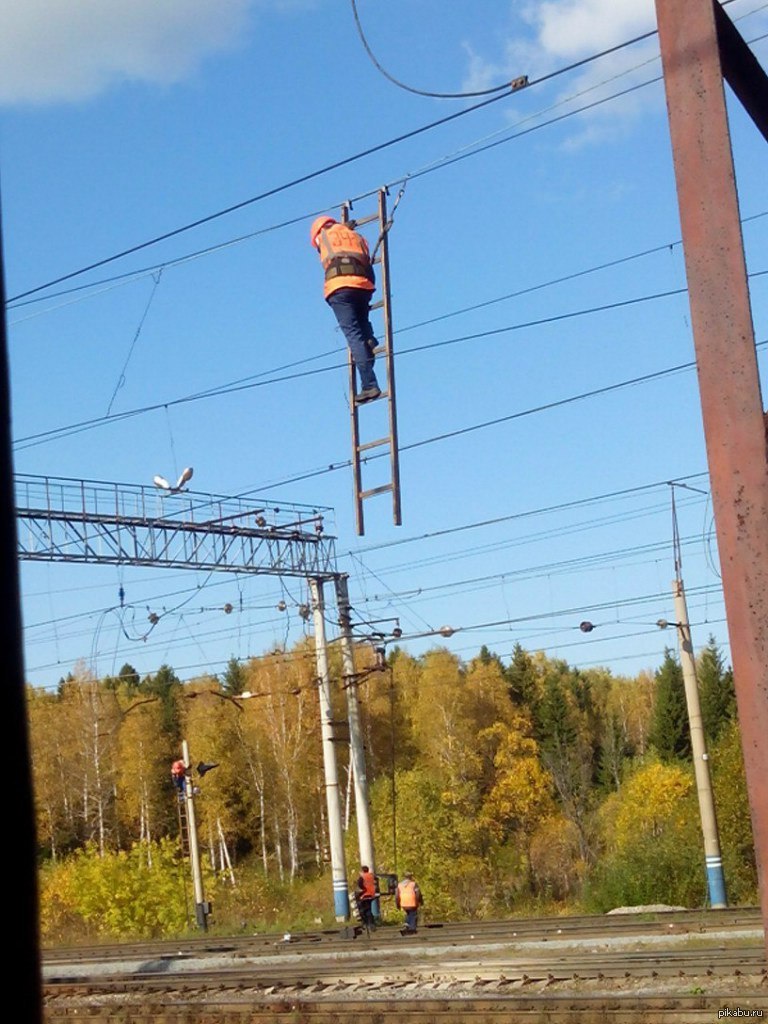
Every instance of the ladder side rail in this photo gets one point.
(354, 423)
(356, 461)
(394, 452)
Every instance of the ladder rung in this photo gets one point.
(365, 220)
(376, 490)
(374, 444)
(379, 349)
(359, 405)
(377, 305)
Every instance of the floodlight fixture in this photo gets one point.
(163, 485)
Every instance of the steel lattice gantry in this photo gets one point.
(66, 520)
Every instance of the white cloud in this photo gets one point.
(546, 35)
(570, 29)
(65, 50)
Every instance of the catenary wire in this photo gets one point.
(492, 89)
(304, 178)
(436, 166)
(245, 384)
(156, 599)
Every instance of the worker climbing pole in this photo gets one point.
(350, 281)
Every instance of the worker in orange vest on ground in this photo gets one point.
(349, 285)
(409, 899)
(366, 891)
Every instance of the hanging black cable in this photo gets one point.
(516, 83)
(314, 174)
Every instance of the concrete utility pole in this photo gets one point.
(712, 857)
(201, 907)
(693, 36)
(357, 749)
(333, 799)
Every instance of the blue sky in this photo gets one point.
(534, 474)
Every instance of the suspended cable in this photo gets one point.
(256, 199)
(505, 86)
(247, 383)
(121, 378)
(313, 174)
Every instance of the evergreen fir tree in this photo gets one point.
(166, 685)
(716, 691)
(523, 688)
(129, 676)
(233, 679)
(670, 731)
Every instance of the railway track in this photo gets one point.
(652, 924)
(681, 967)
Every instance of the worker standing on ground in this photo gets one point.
(409, 899)
(366, 891)
(349, 285)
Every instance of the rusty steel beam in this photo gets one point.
(729, 382)
(742, 71)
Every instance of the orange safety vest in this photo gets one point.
(368, 890)
(406, 894)
(345, 258)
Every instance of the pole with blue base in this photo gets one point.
(712, 858)
(332, 796)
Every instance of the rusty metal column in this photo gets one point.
(727, 369)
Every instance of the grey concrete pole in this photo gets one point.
(333, 799)
(201, 914)
(357, 748)
(712, 857)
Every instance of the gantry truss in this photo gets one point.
(91, 521)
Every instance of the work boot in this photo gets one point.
(368, 394)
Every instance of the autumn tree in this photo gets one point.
(567, 746)
(652, 839)
(142, 771)
(55, 808)
(521, 794)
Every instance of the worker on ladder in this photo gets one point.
(349, 285)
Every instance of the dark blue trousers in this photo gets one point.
(352, 307)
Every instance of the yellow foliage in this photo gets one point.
(555, 857)
(650, 802)
(521, 795)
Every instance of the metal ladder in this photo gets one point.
(183, 824)
(385, 348)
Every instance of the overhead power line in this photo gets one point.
(473, 149)
(307, 177)
(334, 467)
(505, 86)
(247, 383)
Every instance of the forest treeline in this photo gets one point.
(531, 787)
